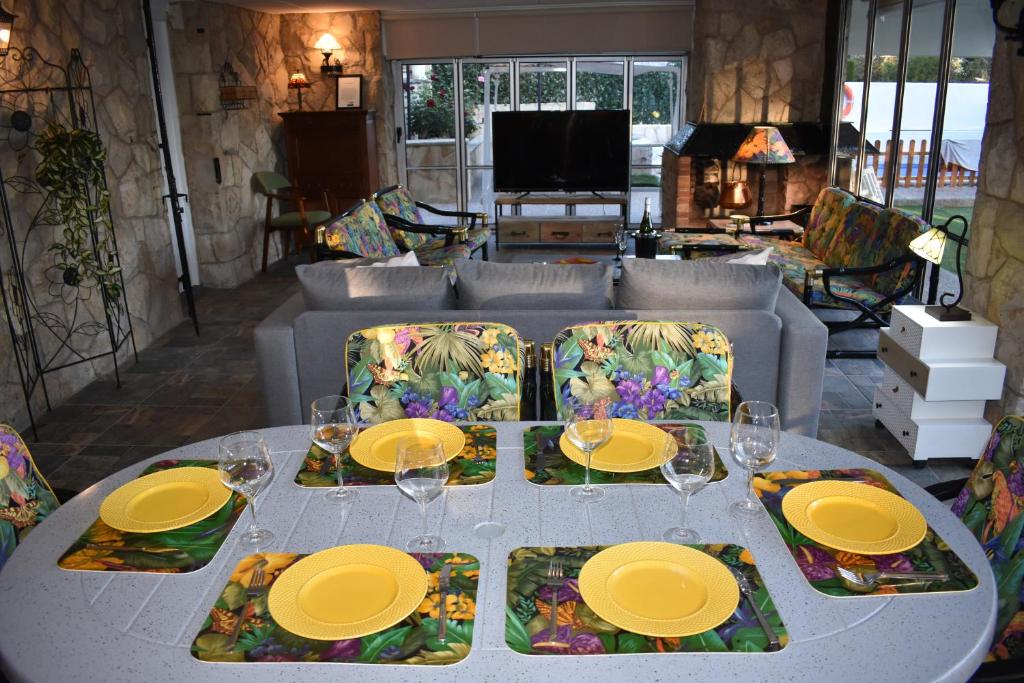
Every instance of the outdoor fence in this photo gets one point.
(911, 160)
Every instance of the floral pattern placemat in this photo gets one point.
(178, 551)
(547, 465)
(582, 632)
(476, 464)
(818, 562)
(240, 628)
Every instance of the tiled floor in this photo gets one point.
(187, 388)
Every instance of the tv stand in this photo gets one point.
(581, 231)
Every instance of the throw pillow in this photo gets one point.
(485, 285)
(755, 258)
(648, 284)
(329, 286)
(405, 260)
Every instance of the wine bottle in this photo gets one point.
(547, 385)
(647, 238)
(646, 227)
(528, 402)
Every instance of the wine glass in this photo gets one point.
(421, 471)
(245, 466)
(333, 427)
(688, 468)
(621, 243)
(754, 442)
(588, 428)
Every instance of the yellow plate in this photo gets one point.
(347, 592)
(854, 517)
(659, 589)
(635, 446)
(376, 447)
(165, 500)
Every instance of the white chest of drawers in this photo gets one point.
(938, 376)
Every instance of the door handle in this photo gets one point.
(398, 135)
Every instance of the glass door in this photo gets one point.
(656, 99)
(486, 88)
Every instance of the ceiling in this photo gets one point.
(302, 6)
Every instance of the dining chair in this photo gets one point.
(648, 370)
(456, 372)
(25, 497)
(991, 504)
(405, 218)
(276, 186)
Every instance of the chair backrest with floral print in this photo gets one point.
(456, 372)
(25, 497)
(396, 201)
(991, 505)
(647, 369)
(361, 230)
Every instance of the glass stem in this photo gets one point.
(423, 515)
(337, 470)
(751, 498)
(252, 509)
(684, 496)
(586, 474)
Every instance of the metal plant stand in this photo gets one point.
(58, 316)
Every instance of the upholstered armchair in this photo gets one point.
(456, 372)
(404, 216)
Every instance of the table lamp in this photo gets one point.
(298, 82)
(763, 145)
(930, 246)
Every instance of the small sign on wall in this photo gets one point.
(350, 92)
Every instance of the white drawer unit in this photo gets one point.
(937, 378)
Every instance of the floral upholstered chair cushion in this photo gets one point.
(991, 505)
(826, 218)
(398, 202)
(456, 372)
(25, 497)
(361, 230)
(443, 255)
(898, 229)
(647, 370)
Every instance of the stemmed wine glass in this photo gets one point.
(688, 469)
(421, 471)
(754, 442)
(245, 466)
(333, 427)
(588, 428)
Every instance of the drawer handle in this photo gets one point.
(559, 235)
(895, 389)
(913, 373)
(517, 234)
(878, 405)
(903, 328)
(906, 433)
(885, 349)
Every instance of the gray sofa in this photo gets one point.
(779, 350)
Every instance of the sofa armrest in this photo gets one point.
(275, 355)
(801, 365)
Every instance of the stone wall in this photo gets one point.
(228, 217)
(994, 281)
(111, 38)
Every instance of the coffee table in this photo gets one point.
(785, 228)
(699, 244)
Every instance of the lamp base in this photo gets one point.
(955, 314)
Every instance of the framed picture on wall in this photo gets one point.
(350, 92)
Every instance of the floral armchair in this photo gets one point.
(25, 497)
(404, 216)
(991, 504)
(456, 372)
(647, 370)
(362, 231)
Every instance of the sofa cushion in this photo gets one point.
(826, 217)
(533, 286)
(331, 286)
(898, 229)
(648, 284)
(361, 230)
(857, 239)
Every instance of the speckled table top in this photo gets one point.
(66, 625)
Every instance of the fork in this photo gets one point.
(774, 645)
(554, 582)
(869, 580)
(256, 589)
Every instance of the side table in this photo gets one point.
(697, 244)
(937, 378)
(783, 229)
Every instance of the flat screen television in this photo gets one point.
(561, 151)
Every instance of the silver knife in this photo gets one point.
(748, 592)
(444, 583)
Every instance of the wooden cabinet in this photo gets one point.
(333, 152)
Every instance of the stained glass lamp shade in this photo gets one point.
(931, 245)
(763, 145)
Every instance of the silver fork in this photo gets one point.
(443, 583)
(256, 588)
(554, 582)
(869, 580)
(748, 592)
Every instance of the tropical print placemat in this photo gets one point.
(547, 465)
(818, 562)
(240, 628)
(582, 632)
(476, 464)
(104, 549)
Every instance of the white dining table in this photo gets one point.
(59, 625)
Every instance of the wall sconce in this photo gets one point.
(327, 45)
(1015, 33)
(298, 82)
(6, 30)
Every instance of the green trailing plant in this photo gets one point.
(72, 172)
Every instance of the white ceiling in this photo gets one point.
(300, 6)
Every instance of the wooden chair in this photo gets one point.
(276, 186)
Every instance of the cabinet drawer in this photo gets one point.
(912, 404)
(933, 438)
(912, 370)
(943, 380)
(603, 232)
(898, 424)
(518, 231)
(929, 339)
(560, 232)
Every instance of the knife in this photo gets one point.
(444, 583)
(748, 592)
